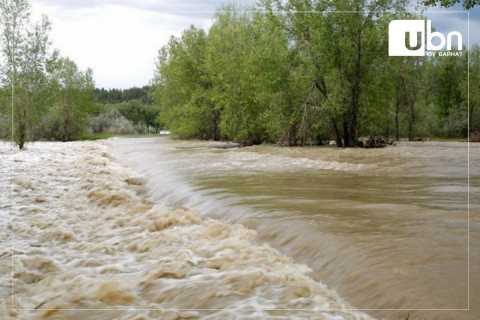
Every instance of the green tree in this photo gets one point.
(255, 88)
(467, 4)
(474, 92)
(181, 86)
(141, 115)
(342, 40)
(445, 91)
(405, 75)
(73, 97)
(305, 72)
(248, 63)
(25, 46)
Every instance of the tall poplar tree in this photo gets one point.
(25, 46)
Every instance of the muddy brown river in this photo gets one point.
(386, 228)
(155, 228)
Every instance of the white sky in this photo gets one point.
(119, 42)
(120, 39)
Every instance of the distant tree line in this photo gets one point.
(119, 95)
(125, 111)
(305, 72)
(287, 71)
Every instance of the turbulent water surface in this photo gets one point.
(101, 231)
(79, 240)
(386, 228)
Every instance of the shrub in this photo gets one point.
(111, 122)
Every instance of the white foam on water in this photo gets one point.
(84, 237)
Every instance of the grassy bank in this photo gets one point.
(96, 136)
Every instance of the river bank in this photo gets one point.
(87, 244)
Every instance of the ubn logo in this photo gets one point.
(408, 38)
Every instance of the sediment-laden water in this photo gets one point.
(83, 237)
(385, 228)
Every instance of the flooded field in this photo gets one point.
(385, 228)
(83, 237)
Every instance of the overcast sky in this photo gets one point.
(119, 39)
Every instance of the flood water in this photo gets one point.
(79, 240)
(385, 228)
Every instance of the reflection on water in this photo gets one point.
(386, 228)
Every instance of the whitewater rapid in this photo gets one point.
(79, 240)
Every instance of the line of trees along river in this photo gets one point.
(303, 72)
(294, 72)
(47, 93)
(50, 97)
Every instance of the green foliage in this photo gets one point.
(467, 4)
(131, 116)
(181, 86)
(72, 98)
(111, 121)
(5, 113)
(48, 95)
(294, 72)
(242, 81)
(474, 114)
(249, 67)
(24, 45)
(117, 95)
(142, 116)
(305, 72)
(446, 89)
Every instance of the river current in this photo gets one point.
(80, 240)
(154, 228)
(386, 228)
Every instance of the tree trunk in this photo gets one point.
(346, 135)
(23, 122)
(470, 120)
(338, 137)
(397, 111)
(352, 126)
(411, 123)
(215, 125)
(321, 86)
(65, 118)
(292, 135)
(22, 128)
(292, 128)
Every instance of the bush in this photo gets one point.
(111, 122)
